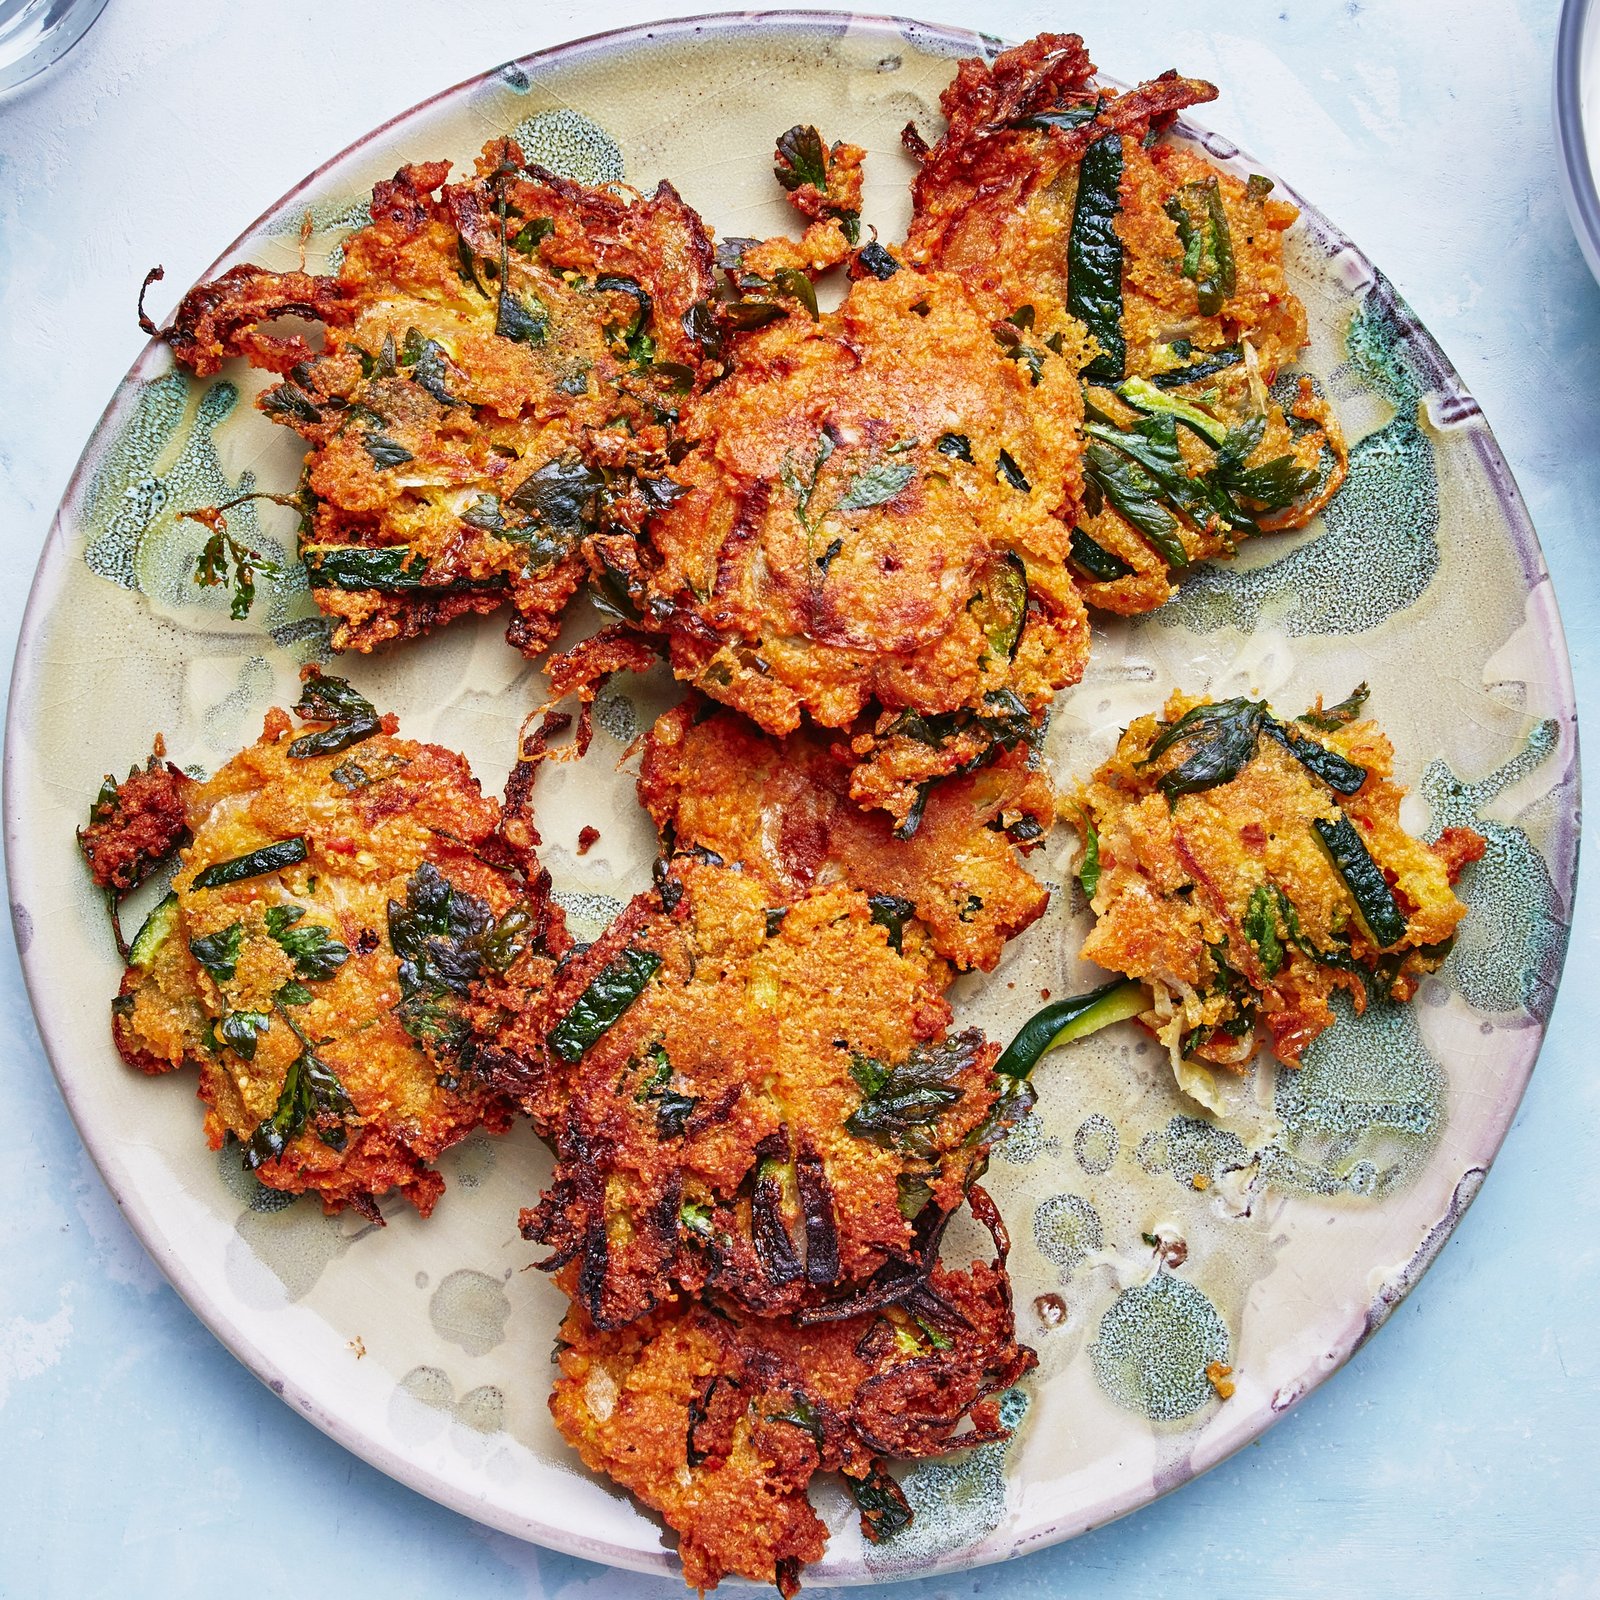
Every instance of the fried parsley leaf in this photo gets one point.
(312, 1096)
(218, 952)
(801, 159)
(901, 1100)
(1328, 719)
(882, 1503)
(315, 952)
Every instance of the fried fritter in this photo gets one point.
(782, 809)
(349, 920)
(876, 514)
(719, 1421)
(726, 1112)
(502, 357)
(1248, 866)
(1047, 184)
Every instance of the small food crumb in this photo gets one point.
(1051, 1310)
(1044, 994)
(1201, 1181)
(1217, 1377)
(587, 839)
(358, 1346)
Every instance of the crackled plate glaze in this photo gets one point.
(1307, 1205)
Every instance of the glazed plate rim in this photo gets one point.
(233, 1331)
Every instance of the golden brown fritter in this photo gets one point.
(872, 519)
(502, 359)
(781, 808)
(727, 1113)
(348, 922)
(1045, 178)
(1248, 866)
(719, 1421)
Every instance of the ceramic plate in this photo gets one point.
(1306, 1211)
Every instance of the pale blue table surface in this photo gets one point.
(1455, 1456)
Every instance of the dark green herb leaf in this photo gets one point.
(700, 323)
(350, 715)
(521, 318)
(218, 952)
(876, 485)
(746, 314)
(914, 1192)
(1385, 925)
(1258, 187)
(602, 1004)
(910, 1095)
(390, 568)
(775, 916)
(288, 402)
(385, 452)
(882, 1503)
(791, 281)
(1094, 257)
(877, 260)
(1217, 738)
(311, 1095)
(955, 445)
(562, 495)
(890, 911)
(315, 952)
(1065, 118)
(1202, 223)
(801, 160)
(1007, 468)
(485, 514)
(1327, 719)
(1136, 497)
(270, 858)
(241, 1029)
(372, 769)
(528, 237)
(1089, 872)
(825, 560)
(294, 994)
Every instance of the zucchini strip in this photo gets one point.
(1094, 257)
(1375, 902)
(1065, 1021)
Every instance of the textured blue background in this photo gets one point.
(1455, 1456)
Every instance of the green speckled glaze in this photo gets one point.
(1504, 956)
(1066, 1229)
(1322, 1193)
(955, 1501)
(1154, 1346)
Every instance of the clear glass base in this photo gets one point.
(36, 33)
